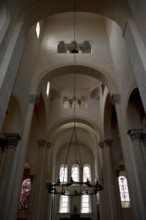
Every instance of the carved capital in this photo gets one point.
(115, 99)
(108, 142)
(101, 144)
(33, 99)
(48, 145)
(3, 144)
(41, 143)
(12, 140)
(135, 133)
(144, 139)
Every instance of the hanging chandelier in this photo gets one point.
(74, 187)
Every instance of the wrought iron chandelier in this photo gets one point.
(73, 187)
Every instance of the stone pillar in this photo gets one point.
(39, 210)
(127, 149)
(137, 54)
(9, 67)
(2, 154)
(11, 140)
(109, 183)
(139, 166)
(102, 194)
(33, 99)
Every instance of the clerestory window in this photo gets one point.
(75, 172)
(86, 172)
(63, 176)
(124, 192)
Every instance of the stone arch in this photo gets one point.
(93, 71)
(13, 120)
(93, 130)
(41, 10)
(135, 111)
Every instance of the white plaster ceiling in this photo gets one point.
(81, 82)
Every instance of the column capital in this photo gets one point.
(41, 142)
(3, 144)
(33, 99)
(12, 139)
(115, 99)
(144, 139)
(101, 144)
(48, 145)
(135, 133)
(108, 142)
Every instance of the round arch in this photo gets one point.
(43, 9)
(93, 130)
(95, 72)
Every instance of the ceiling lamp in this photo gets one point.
(74, 187)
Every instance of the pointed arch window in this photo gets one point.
(63, 176)
(86, 172)
(75, 172)
(124, 192)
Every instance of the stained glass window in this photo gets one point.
(124, 192)
(25, 194)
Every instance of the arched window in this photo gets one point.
(64, 204)
(85, 204)
(124, 192)
(24, 196)
(75, 172)
(63, 173)
(38, 29)
(86, 172)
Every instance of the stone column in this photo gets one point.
(139, 166)
(2, 154)
(137, 54)
(33, 99)
(137, 210)
(11, 140)
(102, 194)
(39, 210)
(109, 183)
